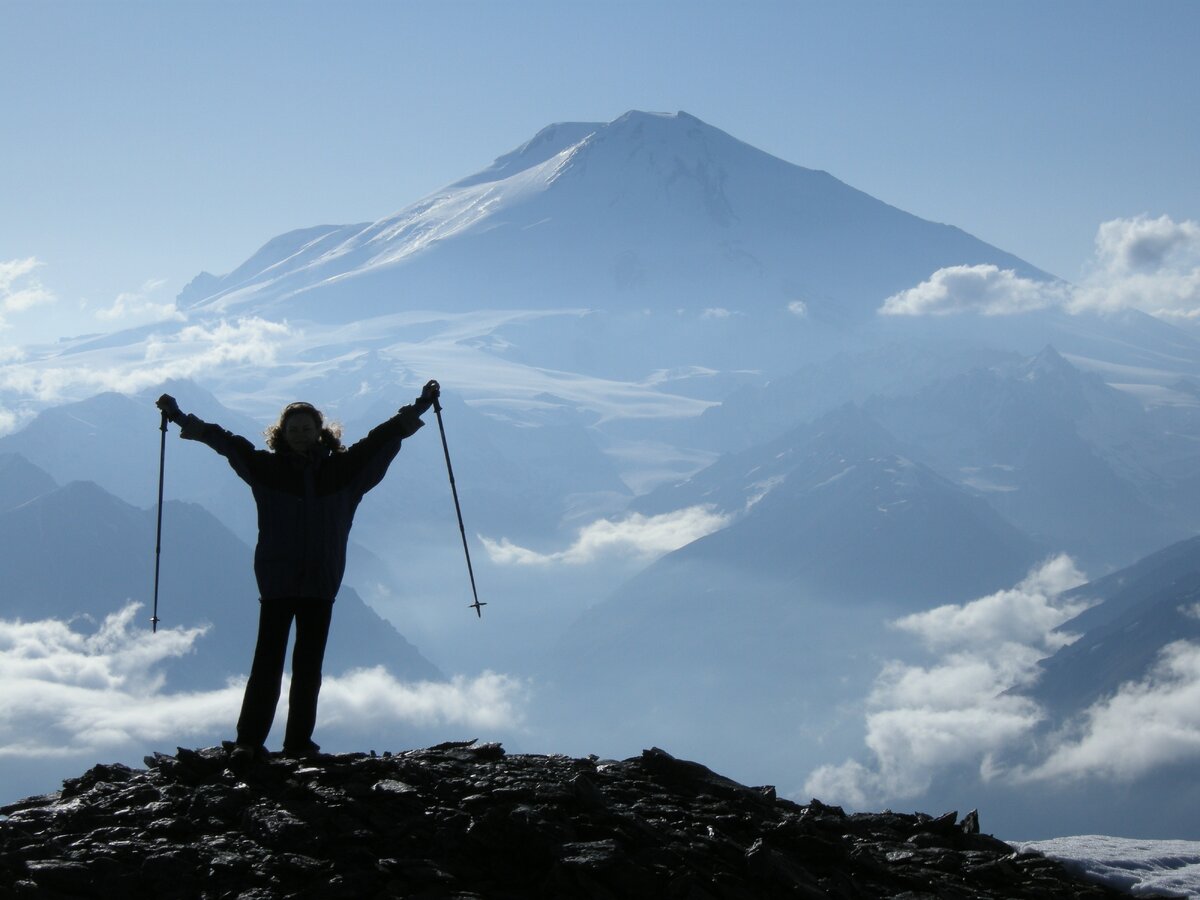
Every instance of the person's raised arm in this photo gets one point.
(236, 449)
(407, 420)
(371, 456)
(191, 427)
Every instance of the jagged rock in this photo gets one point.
(464, 820)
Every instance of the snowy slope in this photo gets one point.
(1145, 868)
(650, 209)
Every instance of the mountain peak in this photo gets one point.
(1049, 362)
(560, 136)
(630, 214)
(546, 144)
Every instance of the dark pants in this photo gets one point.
(266, 673)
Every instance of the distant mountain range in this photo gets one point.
(1138, 611)
(630, 319)
(77, 551)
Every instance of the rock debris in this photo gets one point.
(467, 820)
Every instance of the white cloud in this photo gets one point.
(1162, 710)
(1152, 265)
(65, 693)
(192, 352)
(955, 711)
(635, 535)
(798, 308)
(1145, 245)
(13, 420)
(20, 288)
(369, 697)
(985, 289)
(138, 307)
(1026, 614)
(1143, 263)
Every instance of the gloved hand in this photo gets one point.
(191, 428)
(431, 392)
(167, 404)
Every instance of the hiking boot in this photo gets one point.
(242, 754)
(307, 750)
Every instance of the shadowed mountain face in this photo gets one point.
(1138, 612)
(1073, 462)
(776, 623)
(21, 481)
(835, 510)
(77, 551)
(467, 820)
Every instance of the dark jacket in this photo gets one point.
(306, 504)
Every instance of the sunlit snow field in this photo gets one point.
(1140, 867)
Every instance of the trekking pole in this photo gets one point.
(162, 459)
(477, 606)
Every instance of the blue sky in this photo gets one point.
(148, 141)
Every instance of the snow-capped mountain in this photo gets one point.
(648, 210)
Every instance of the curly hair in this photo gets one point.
(329, 435)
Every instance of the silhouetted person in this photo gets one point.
(307, 488)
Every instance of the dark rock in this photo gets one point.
(466, 820)
(970, 823)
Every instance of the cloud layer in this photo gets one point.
(956, 712)
(192, 352)
(1152, 265)
(1162, 710)
(639, 536)
(65, 692)
(139, 307)
(20, 288)
(985, 289)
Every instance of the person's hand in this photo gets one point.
(170, 408)
(191, 427)
(429, 394)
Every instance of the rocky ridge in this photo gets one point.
(467, 820)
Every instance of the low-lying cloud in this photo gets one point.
(140, 307)
(1152, 265)
(1162, 710)
(923, 718)
(20, 288)
(66, 692)
(191, 353)
(635, 535)
(984, 289)
(957, 711)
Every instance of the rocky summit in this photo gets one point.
(467, 820)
